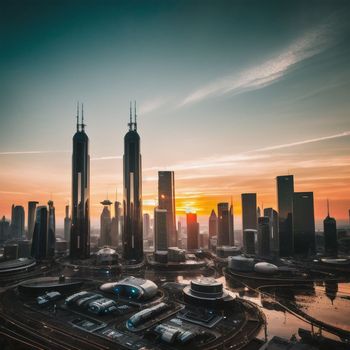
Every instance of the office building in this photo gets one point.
(17, 222)
(213, 224)
(51, 242)
(274, 235)
(249, 241)
(115, 225)
(285, 190)
(80, 229)
(330, 235)
(132, 204)
(160, 229)
(31, 218)
(4, 229)
(249, 211)
(40, 235)
(105, 224)
(303, 223)
(67, 224)
(192, 231)
(166, 200)
(263, 243)
(223, 224)
(146, 226)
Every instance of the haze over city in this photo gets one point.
(229, 97)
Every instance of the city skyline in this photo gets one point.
(220, 116)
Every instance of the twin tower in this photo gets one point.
(132, 203)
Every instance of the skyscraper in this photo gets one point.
(51, 239)
(160, 229)
(80, 230)
(146, 226)
(31, 218)
(303, 223)
(249, 211)
(285, 190)
(132, 204)
(249, 239)
(231, 226)
(330, 235)
(105, 224)
(274, 236)
(17, 222)
(213, 224)
(263, 236)
(192, 231)
(115, 226)
(166, 200)
(67, 224)
(40, 234)
(223, 224)
(4, 229)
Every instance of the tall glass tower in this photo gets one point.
(132, 203)
(80, 230)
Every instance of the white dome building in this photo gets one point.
(265, 268)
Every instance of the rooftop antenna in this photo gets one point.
(130, 123)
(135, 115)
(82, 117)
(78, 116)
(327, 207)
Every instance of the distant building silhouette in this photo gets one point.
(105, 224)
(160, 229)
(166, 200)
(231, 226)
(213, 224)
(132, 205)
(67, 224)
(274, 235)
(249, 211)
(223, 224)
(263, 236)
(17, 222)
(146, 226)
(40, 235)
(330, 235)
(249, 240)
(285, 190)
(192, 231)
(80, 230)
(303, 223)
(51, 229)
(115, 226)
(31, 218)
(4, 229)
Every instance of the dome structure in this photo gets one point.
(106, 256)
(241, 263)
(265, 268)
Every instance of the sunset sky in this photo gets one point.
(230, 95)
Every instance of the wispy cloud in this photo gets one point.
(151, 105)
(270, 71)
(106, 158)
(9, 153)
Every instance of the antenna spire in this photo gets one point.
(135, 115)
(82, 117)
(130, 122)
(327, 207)
(78, 116)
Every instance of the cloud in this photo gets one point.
(310, 44)
(151, 105)
(106, 158)
(10, 153)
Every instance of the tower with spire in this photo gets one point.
(80, 217)
(132, 239)
(330, 235)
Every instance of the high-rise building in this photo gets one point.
(303, 223)
(330, 235)
(249, 211)
(67, 224)
(213, 224)
(80, 230)
(4, 229)
(115, 226)
(160, 229)
(249, 239)
(231, 227)
(166, 200)
(105, 224)
(31, 218)
(192, 231)
(40, 234)
(51, 230)
(285, 190)
(274, 236)
(17, 222)
(223, 224)
(132, 204)
(146, 226)
(263, 236)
